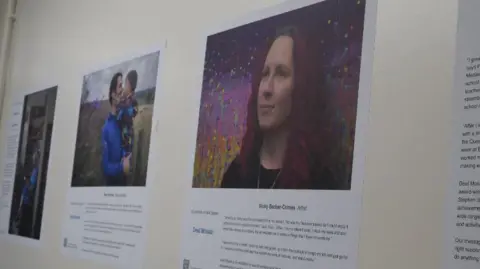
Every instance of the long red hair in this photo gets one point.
(308, 140)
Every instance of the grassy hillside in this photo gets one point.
(145, 97)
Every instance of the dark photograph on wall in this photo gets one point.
(32, 164)
(114, 125)
(279, 101)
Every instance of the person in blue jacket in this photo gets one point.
(25, 213)
(115, 164)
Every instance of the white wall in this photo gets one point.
(3, 17)
(3, 14)
(56, 41)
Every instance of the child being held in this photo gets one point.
(127, 108)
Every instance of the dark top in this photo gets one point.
(127, 109)
(322, 178)
(112, 153)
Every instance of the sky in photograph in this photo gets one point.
(146, 66)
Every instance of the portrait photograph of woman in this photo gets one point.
(279, 101)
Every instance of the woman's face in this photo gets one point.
(275, 90)
(119, 85)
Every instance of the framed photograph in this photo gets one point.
(29, 137)
(280, 149)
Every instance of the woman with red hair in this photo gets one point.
(286, 142)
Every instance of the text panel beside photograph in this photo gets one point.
(279, 155)
(32, 164)
(107, 201)
(462, 227)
